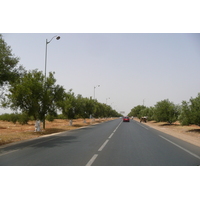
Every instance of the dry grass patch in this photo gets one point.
(189, 134)
(10, 132)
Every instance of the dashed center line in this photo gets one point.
(111, 134)
(92, 160)
(102, 146)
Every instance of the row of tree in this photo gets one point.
(34, 95)
(165, 111)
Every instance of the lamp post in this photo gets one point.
(47, 42)
(94, 89)
(143, 102)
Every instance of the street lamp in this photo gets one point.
(143, 102)
(47, 42)
(94, 89)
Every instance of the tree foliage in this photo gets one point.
(34, 95)
(195, 110)
(136, 111)
(9, 69)
(80, 107)
(166, 111)
(190, 112)
(69, 105)
(185, 117)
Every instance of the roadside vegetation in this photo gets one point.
(187, 113)
(32, 96)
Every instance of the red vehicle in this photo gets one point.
(126, 119)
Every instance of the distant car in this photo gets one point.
(126, 119)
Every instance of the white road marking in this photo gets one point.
(111, 134)
(92, 160)
(114, 130)
(181, 147)
(103, 145)
(8, 152)
(143, 126)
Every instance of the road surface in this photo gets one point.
(113, 143)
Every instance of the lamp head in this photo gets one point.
(58, 38)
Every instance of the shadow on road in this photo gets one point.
(44, 142)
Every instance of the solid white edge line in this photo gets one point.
(143, 126)
(103, 145)
(181, 147)
(92, 160)
(8, 152)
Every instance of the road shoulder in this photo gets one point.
(181, 132)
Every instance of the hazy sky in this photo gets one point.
(131, 68)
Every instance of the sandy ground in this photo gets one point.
(189, 134)
(10, 132)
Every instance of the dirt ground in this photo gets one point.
(10, 132)
(189, 134)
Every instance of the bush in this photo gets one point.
(14, 118)
(50, 118)
(23, 118)
(5, 117)
(166, 111)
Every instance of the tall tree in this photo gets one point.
(136, 111)
(166, 111)
(185, 114)
(9, 69)
(195, 110)
(34, 95)
(69, 105)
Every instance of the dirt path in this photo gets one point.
(189, 134)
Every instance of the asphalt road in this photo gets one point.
(113, 143)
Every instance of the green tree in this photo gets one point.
(136, 111)
(185, 117)
(86, 107)
(100, 110)
(9, 69)
(195, 110)
(34, 96)
(148, 112)
(166, 111)
(69, 105)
